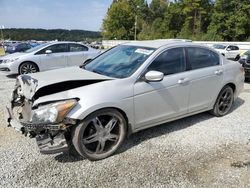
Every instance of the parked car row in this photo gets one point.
(15, 46)
(48, 56)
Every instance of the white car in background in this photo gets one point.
(229, 51)
(48, 56)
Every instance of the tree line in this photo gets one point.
(50, 34)
(222, 20)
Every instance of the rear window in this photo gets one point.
(77, 48)
(201, 57)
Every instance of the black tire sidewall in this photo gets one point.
(215, 110)
(237, 58)
(77, 135)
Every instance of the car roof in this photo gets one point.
(157, 43)
(63, 42)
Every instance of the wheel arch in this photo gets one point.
(124, 114)
(232, 85)
(28, 62)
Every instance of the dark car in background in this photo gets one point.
(245, 61)
(17, 47)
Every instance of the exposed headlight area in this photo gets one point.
(52, 113)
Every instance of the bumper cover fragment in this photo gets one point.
(47, 145)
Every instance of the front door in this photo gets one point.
(155, 102)
(56, 59)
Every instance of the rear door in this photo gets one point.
(206, 76)
(77, 55)
(56, 59)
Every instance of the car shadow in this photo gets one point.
(163, 129)
(66, 157)
(170, 127)
(12, 76)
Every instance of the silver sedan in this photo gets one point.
(48, 56)
(128, 88)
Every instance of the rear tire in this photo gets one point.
(223, 102)
(237, 58)
(100, 134)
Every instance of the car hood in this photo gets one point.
(41, 84)
(219, 50)
(14, 55)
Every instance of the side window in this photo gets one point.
(235, 48)
(200, 57)
(56, 48)
(229, 48)
(169, 62)
(77, 48)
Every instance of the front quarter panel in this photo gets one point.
(109, 94)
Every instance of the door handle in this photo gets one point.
(218, 72)
(183, 81)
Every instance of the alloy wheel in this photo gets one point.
(101, 134)
(27, 68)
(225, 101)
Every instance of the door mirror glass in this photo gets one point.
(154, 76)
(48, 52)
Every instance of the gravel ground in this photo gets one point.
(198, 151)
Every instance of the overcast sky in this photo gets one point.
(51, 14)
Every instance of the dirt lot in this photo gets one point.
(199, 151)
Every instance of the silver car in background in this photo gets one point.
(48, 56)
(128, 88)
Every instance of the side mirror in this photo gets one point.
(229, 49)
(48, 52)
(154, 76)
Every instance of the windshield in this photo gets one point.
(247, 52)
(121, 61)
(36, 48)
(219, 46)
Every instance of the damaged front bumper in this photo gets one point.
(50, 137)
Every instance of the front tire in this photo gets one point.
(224, 102)
(27, 68)
(237, 58)
(100, 134)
